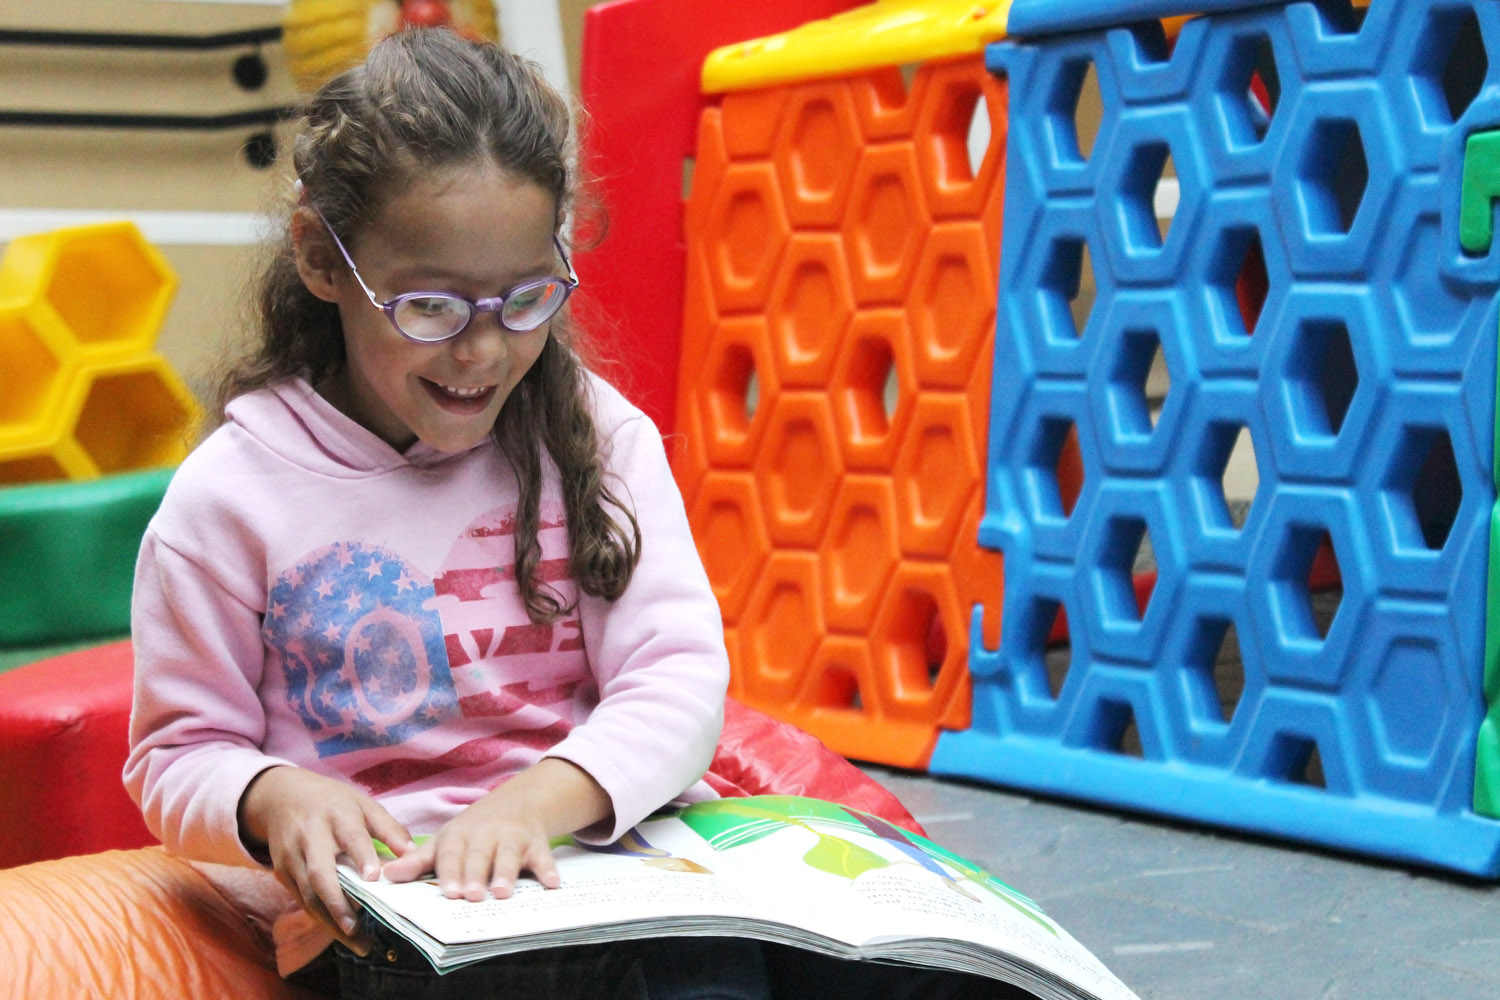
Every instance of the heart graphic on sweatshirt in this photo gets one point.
(375, 652)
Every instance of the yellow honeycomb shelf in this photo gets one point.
(83, 392)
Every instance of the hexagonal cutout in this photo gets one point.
(1451, 63)
(977, 138)
(1305, 584)
(820, 147)
(886, 222)
(32, 469)
(1466, 66)
(799, 469)
(1342, 17)
(915, 639)
(835, 684)
(1322, 377)
(937, 471)
(1425, 483)
(1151, 43)
(727, 525)
(1334, 176)
(109, 285)
(1229, 465)
(860, 551)
(1126, 570)
(732, 389)
(952, 306)
(1076, 110)
(1139, 383)
(783, 625)
(1238, 281)
(1250, 88)
(1408, 703)
(868, 391)
(1057, 647)
(1296, 759)
(1149, 186)
(749, 232)
(954, 134)
(28, 378)
(1055, 468)
(1215, 670)
(1113, 728)
(811, 305)
(134, 420)
(882, 101)
(1067, 288)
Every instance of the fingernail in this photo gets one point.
(348, 924)
(372, 872)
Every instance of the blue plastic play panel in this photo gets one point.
(1311, 299)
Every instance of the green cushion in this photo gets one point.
(67, 555)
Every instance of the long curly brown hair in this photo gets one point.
(426, 100)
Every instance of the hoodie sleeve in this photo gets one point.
(196, 722)
(657, 652)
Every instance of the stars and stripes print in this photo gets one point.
(362, 652)
(375, 654)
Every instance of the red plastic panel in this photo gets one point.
(640, 84)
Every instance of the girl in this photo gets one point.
(430, 575)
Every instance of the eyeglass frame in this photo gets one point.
(494, 304)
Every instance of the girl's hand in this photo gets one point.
(306, 820)
(485, 848)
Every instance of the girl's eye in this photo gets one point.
(430, 306)
(526, 298)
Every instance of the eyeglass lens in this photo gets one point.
(437, 317)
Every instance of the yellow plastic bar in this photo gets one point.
(883, 33)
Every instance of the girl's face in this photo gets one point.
(476, 231)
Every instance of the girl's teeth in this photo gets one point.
(455, 391)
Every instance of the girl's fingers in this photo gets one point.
(323, 881)
(300, 882)
(543, 867)
(472, 869)
(384, 828)
(412, 865)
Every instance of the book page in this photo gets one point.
(775, 867)
(859, 879)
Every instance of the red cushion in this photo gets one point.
(63, 726)
(63, 729)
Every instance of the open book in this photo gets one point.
(797, 871)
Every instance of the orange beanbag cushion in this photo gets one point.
(129, 925)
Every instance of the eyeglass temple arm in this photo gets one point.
(347, 259)
(572, 274)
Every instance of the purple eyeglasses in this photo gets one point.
(433, 317)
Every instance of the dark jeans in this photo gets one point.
(660, 969)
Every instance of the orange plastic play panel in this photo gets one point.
(842, 240)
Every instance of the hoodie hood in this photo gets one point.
(292, 421)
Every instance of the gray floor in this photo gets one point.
(1182, 913)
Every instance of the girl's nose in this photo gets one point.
(483, 342)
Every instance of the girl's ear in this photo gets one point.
(317, 260)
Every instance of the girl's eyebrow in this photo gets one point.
(422, 271)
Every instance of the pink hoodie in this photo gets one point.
(306, 595)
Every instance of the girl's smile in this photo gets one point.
(461, 400)
(474, 230)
